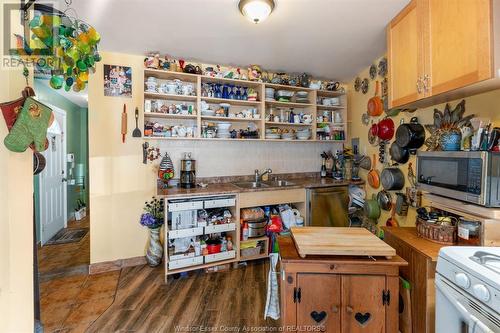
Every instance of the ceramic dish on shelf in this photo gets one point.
(301, 94)
(223, 126)
(302, 100)
(209, 113)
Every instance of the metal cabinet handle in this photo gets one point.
(426, 81)
(419, 85)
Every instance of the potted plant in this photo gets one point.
(153, 218)
(80, 210)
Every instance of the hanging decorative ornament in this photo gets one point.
(166, 169)
(66, 48)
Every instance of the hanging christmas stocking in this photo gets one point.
(30, 127)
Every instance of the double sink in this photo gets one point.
(264, 184)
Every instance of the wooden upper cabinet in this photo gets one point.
(405, 65)
(440, 50)
(459, 44)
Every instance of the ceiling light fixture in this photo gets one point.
(256, 10)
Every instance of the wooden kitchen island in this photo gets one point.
(338, 293)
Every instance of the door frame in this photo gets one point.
(58, 113)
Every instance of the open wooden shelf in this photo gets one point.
(261, 106)
(286, 124)
(234, 119)
(169, 116)
(156, 95)
(230, 101)
(285, 87)
(289, 104)
(329, 107)
(169, 75)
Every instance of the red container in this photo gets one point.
(213, 248)
(385, 129)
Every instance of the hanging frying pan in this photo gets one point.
(375, 105)
(373, 175)
(399, 154)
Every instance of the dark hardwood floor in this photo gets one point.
(136, 299)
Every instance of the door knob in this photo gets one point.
(335, 309)
(349, 309)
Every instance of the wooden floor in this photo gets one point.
(136, 299)
(62, 258)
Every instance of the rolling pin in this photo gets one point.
(124, 122)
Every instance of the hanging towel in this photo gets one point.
(272, 302)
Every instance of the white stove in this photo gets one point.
(468, 290)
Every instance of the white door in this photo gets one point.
(52, 180)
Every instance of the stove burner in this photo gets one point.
(488, 260)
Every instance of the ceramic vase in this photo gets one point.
(450, 141)
(154, 254)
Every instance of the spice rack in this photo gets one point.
(195, 119)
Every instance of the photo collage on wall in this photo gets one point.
(117, 81)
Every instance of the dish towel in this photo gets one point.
(272, 302)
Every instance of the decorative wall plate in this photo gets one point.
(357, 84)
(373, 71)
(382, 67)
(365, 84)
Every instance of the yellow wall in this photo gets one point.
(119, 182)
(486, 105)
(16, 220)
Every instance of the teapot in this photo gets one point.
(307, 118)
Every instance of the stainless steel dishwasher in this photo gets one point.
(327, 206)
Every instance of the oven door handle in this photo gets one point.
(472, 321)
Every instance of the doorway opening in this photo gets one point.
(62, 225)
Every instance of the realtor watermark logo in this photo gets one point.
(21, 46)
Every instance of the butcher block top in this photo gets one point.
(339, 242)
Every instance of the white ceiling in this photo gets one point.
(327, 38)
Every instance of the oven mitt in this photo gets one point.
(10, 110)
(30, 127)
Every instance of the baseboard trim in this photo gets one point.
(115, 265)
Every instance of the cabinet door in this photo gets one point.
(458, 43)
(404, 52)
(319, 304)
(362, 307)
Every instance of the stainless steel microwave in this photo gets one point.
(462, 175)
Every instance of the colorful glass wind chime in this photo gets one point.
(69, 49)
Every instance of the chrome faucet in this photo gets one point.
(258, 177)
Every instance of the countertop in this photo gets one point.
(288, 253)
(409, 236)
(229, 188)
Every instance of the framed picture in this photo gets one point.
(117, 81)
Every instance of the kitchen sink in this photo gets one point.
(279, 183)
(250, 185)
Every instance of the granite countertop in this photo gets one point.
(221, 188)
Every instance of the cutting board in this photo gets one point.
(339, 242)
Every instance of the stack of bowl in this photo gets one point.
(304, 134)
(270, 94)
(223, 130)
(284, 95)
(301, 97)
(273, 133)
(288, 136)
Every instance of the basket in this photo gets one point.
(251, 251)
(437, 233)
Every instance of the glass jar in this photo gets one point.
(469, 232)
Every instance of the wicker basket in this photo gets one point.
(437, 233)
